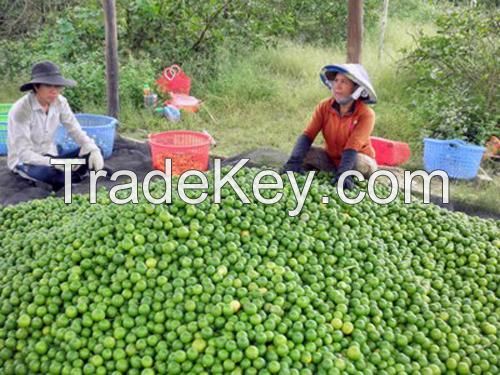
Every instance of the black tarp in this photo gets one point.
(127, 155)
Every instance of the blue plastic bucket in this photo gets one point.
(98, 127)
(457, 158)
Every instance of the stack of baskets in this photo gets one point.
(455, 157)
(98, 127)
(4, 114)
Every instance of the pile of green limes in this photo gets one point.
(247, 289)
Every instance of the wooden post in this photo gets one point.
(111, 58)
(382, 28)
(354, 31)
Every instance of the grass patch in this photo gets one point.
(265, 99)
(478, 194)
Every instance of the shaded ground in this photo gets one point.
(127, 154)
(135, 156)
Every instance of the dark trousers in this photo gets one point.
(51, 176)
(317, 159)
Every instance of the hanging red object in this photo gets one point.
(173, 79)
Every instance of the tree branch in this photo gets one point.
(208, 24)
(12, 24)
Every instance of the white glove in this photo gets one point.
(74, 167)
(96, 161)
(59, 167)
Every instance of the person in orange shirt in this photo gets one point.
(346, 123)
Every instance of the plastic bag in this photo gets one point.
(174, 80)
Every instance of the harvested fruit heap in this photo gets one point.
(236, 288)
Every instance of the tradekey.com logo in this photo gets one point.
(258, 185)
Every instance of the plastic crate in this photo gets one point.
(187, 150)
(5, 108)
(4, 118)
(389, 152)
(98, 127)
(457, 158)
(3, 138)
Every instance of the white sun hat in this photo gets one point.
(357, 74)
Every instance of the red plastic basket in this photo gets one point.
(389, 152)
(173, 79)
(187, 150)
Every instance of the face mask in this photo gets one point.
(358, 92)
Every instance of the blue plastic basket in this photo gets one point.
(3, 138)
(98, 127)
(457, 158)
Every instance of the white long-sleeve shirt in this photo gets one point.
(31, 131)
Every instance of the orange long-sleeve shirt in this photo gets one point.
(350, 131)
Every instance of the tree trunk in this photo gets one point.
(354, 31)
(382, 28)
(111, 58)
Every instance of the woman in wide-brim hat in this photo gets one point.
(33, 121)
(346, 123)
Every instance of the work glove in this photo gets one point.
(294, 163)
(59, 167)
(96, 161)
(347, 162)
(348, 182)
(74, 167)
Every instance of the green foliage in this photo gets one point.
(133, 75)
(18, 18)
(178, 29)
(90, 77)
(156, 33)
(79, 32)
(454, 77)
(418, 10)
(74, 37)
(478, 3)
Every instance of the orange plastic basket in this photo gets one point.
(187, 150)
